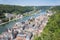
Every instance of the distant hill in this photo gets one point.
(14, 9)
(56, 8)
(43, 7)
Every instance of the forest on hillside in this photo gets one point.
(13, 9)
(52, 29)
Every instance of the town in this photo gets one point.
(26, 30)
(29, 19)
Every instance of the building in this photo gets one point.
(19, 16)
(8, 15)
(0, 21)
(21, 36)
(1, 37)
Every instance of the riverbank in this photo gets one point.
(9, 21)
(28, 14)
(30, 27)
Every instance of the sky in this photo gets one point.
(31, 2)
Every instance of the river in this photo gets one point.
(10, 24)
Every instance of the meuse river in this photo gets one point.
(10, 24)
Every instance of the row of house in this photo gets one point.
(12, 16)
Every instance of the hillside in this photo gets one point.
(14, 9)
(52, 29)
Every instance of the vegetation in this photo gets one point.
(12, 9)
(52, 29)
